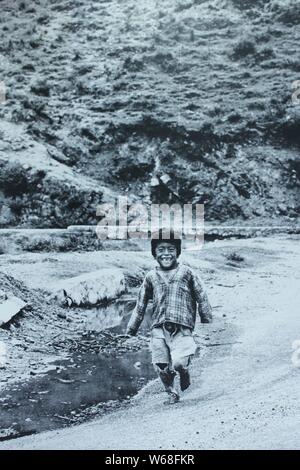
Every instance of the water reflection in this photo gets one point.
(115, 316)
(79, 382)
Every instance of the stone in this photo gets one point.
(165, 178)
(9, 308)
(90, 288)
(282, 209)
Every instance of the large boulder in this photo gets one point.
(90, 289)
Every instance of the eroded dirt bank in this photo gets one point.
(245, 387)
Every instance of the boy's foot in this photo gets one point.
(173, 398)
(185, 380)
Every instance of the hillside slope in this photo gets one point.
(187, 101)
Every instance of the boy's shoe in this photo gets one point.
(185, 379)
(173, 398)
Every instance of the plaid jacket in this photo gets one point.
(174, 300)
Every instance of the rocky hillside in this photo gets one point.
(177, 100)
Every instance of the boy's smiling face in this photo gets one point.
(166, 255)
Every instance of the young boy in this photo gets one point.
(175, 291)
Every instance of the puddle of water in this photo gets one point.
(77, 383)
(53, 400)
(115, 317)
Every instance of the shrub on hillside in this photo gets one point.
(244, 48)
(287, 12)
(13, 180)
(247, 4)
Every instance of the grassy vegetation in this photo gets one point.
(121, 90)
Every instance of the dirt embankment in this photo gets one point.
(191, 102)
(56, 319)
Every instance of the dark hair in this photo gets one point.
(159, 238)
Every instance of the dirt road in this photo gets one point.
(245, 391)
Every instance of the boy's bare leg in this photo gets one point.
(181, 366)
(167, 377)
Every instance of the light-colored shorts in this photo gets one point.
(168, 348)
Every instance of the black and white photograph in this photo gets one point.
(149, 227)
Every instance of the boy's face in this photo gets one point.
(166, 255)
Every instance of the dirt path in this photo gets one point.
(245, 393)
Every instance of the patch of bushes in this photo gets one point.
(266, 53)
(235, 257)
(17, 205)
(164, 60)
(41, 88)
(289, 127)
(133, 170)
(13, 180)
(133, 64)
(181, 6)
(235, 116)
(292, 64)
(288, 14)
(244, 48)
(76, 200)
(248, 4)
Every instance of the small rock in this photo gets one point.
(62, 315)
(9, 308)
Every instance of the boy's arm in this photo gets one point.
(139, 311)
(204, 307)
